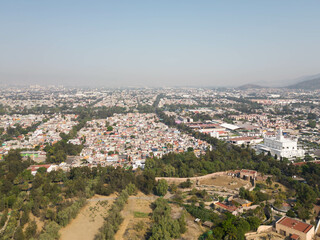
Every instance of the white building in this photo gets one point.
(245, 140)
(282, 147)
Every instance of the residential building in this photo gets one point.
(294, 229)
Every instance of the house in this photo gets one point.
(225, 208)
(241, 202)
(294, 229)
(49, 167)
(245, 140)
(248, 174)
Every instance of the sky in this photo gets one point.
(158, 42)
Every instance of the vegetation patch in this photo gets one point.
(140, 215)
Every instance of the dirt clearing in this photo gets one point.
(88, 221)
(136, 217)
(225, 181)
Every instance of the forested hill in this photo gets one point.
(311, 84)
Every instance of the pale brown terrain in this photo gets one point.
(88, 221)
(139, 203)
(225, 181)
(194, 230)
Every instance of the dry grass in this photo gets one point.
(225, 181)
(128, 229)
(88, 221)
(194, 230)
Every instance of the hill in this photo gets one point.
(313, 83)
(249, 86)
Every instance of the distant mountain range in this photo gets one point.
(307, 83)
(313, 83)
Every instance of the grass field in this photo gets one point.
(140, 215)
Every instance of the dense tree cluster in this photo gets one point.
(201, 213)
(231, 227)
(164, 227)
(64, 216)
(55, 197)
(161, 188)
(114, 218)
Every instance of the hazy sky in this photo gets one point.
(158, 42)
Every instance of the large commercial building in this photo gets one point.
(281, 146)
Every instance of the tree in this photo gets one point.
(162, 187)
(25, 217)
(4, 217)
(186, 184)
(312, 123)
(182, 223)
(41, 170)
(18, 235)
(31, 230)
(291, 214)
(269, 181)
(254, 222)
(51, 231)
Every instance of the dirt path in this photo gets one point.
(88, 221)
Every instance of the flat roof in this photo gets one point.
(245, 138)
(229, 126)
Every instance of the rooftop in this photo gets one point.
(295, 224)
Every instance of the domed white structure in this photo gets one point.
(281, 146)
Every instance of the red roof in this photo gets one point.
(36, 167)
(294, 236)
(248, 171)
(295, 224)
(228, 208)
(303, 163)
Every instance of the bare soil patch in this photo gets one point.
(226, 181)
(128, 229)
(38, 221)
(88, 221)
(194, 230)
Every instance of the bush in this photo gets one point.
(64, 216)
(186, 184)
(31, 230)
(162, 187)
(51, 231)
(164, 226)
(4, 218)
(114, 218)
